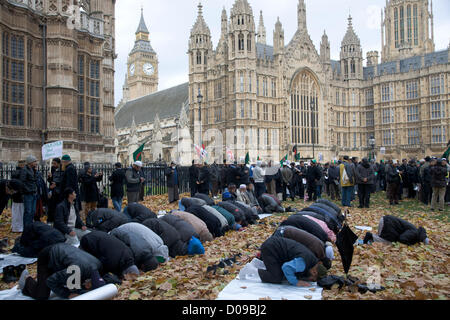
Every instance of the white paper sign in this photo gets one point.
(320, 157)
(383, 150)
(52, 150)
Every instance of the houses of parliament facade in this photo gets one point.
(265, 99)
(57, 78)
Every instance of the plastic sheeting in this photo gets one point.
(248, 286)
(104, 293)
(14, 259)
(264, 215)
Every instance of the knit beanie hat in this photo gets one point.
(66, 158)
(131, 269)
(31, 159)
(195, 247)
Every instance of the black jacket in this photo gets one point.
(392, 176)
(60, 257)
(413, 174)
(140, 213)
(193, 174)
(38, 236)
(313, 173)
(276, 251)
(306, 224)
(269, 205)
(204, 197)
(250, 216)
(239, 215)
(203, 179)
(187, 202)
(170, 174)
(90, 187)
(70, 179)
(117, 179)
(212, 222)
(114, 255)
(132, 178)
(185, 229)
(105, 219)
(28, 176)
(62, 217)
(18, 196)
(438, 174)
(4, 197)
(318, 214)
(399, 230)
(169, 235)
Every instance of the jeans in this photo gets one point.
(125, 212)
(319, 192)
(29, 203)
(117, 203)
(133, 197)
(347, 196)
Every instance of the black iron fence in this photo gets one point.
(154, 174)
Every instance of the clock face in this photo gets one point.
(132, 69)
(148, 69)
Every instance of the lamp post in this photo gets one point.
(372, 145)
(199, 100)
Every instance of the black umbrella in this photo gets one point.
(344, 242)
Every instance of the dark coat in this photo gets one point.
(238, 214)
(193, 173)
(106, 219)
(132, 179)
(140, 213)
(170, 174)
(269, 205)
(203, 179)
(212, 222)
(169, 235)
(60, 257)
(276, 251)
(28, 176)
(90, 188)
(62, 217)
(438, 175)
(413, 173)
(306, 224)
(330, 218)
(185, 229)
(313, 173)
(70, 179)
(399, 230)
(244, 175)
(250, 216)
(204, 197)
(305, 238)
(330, 204)
(114, 255)
(4, 197)
(365, 171)
(18, 196)
(392, 176)
(187, 202)
(117, 182)
(230, 217)
(37, 237)
(317, 213)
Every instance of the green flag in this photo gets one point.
(137, 155)
(297, 157)
(283, 160)
(247, 158)
(446, 154)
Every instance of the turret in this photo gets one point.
(200, 44)
(372, 58)
(261, 30)
(241, 37)
(351, 54)
(278, 38)
(325, 49)
(301, 13)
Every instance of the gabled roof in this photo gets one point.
(166, 104)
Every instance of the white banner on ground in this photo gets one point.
(52, 150)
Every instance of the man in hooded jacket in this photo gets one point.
(365, 178)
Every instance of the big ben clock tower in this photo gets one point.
(142, 73)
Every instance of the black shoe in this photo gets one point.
(19, 269)
(3, 244)
(8, 274)
(360, 207)
(368, 237)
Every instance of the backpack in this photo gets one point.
(345, 178)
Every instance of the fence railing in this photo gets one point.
(154, 174)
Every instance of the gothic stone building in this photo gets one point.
(265, 99)
(57, 78)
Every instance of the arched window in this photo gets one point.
(304, 109)
(402, 25)
(396, 26)
(352, 67)
(249, 43)
(416, 30)
(199, 57)
(408, 13)
(241, 42)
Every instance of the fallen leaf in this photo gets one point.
(308, 297)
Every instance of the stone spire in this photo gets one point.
(350, 37)
(142, 28)
(224, 22)
(278, 37)
(200, 26)
(261, 29)
(301, 11)
(325, 48)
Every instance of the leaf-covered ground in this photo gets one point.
(414, 272)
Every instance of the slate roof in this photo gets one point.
(166, 103)
(263, 50)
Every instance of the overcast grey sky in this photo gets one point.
(170, 23)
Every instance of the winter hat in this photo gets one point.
(329, 252)
(237, 226)
(422, 234)
(426, 241)
(195, 247)
(131, 269)
(242, 186)
(66, 158)
(138, 163)
(31, 159)
(96, 280)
